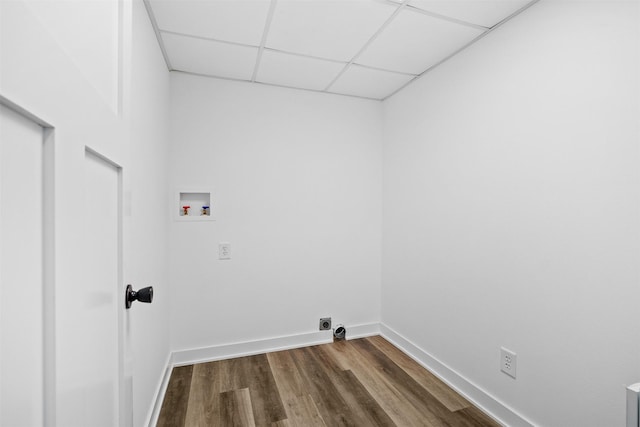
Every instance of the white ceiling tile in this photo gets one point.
(481, 12)
(413, 42)
(297, 71)
(240, 21)
(369, 83)
(333, 29)
(209, 57)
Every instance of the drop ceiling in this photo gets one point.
(364, 48)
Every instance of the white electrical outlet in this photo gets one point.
(508, 362)
(224, 250)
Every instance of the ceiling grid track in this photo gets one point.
(156, 30)
(209, 39)
(302, 55)
(265, 34)
(445, 18)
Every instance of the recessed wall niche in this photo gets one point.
(193, 205)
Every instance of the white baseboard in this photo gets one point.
(361, 331)
(228, 351)
(152, 417)
(249, 348)
(480, 398)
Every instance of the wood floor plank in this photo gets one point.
(342, 354)
(231, 374)
(265, 396)
(476, 418)
(203, 408)
(448, 397)
(176, 398)
(303, 412)
(286, 375)
(236, 409)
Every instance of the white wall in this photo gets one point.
(85, 83)
(296, 182)
(511, 211)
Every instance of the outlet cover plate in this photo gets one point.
(224, 250)
(325, 323)
(508, 362)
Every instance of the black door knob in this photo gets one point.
(142, 295)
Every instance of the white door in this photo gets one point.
(90, 388)
(90, 346)
(103, 298)
(22, 345)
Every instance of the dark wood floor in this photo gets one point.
(362, 382)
